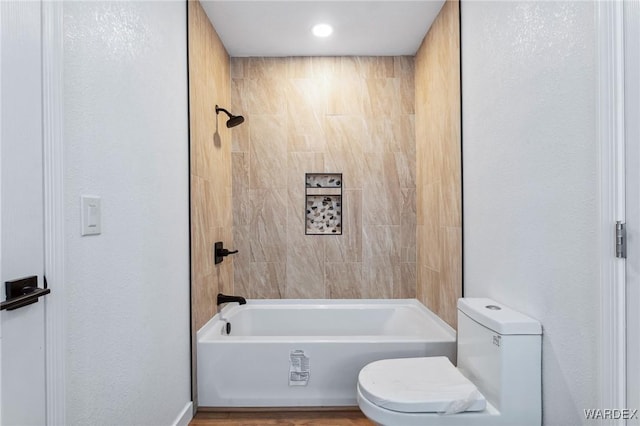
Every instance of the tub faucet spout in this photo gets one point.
(222, 299)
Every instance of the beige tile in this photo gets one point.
(431, 289)
(348, 246)
(306, 106)
(219, 208)
(345, 96)
(203, 144)
(403, 66)
(265, 96)
(420, 285)
(404, 135)
(405, 167)
(265, 68)
(238, 105)
(432, 239)
(408, 280)
(409, 254)
(344, 280)
(240, 198)
(305, 266)
(420, 248)
(268, 225)
(239, 134)
(200, 226)
(381, 96)
(325, 67)
(211, 164)
(391, 172)
(378, 66)
(268, 152)
(224, 274)
(237, 67)
(344, 148)
(242, 260)
(451, 285)
(437, 130)
(351, 67)
(346, 130)
(381, 190)
(381, 256)
(381, 276)
(408, 205)
(331, 111)
(420, 202)
(408, 226)
(203, 299)
(429, 246)
(379, 134)
(404, 70)
(300, 67)
(267, 280)
(306, 142)
(450, 211)
(299, 163)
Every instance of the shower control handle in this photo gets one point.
(225, 252)
(220, 252)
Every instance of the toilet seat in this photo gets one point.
(419, 385)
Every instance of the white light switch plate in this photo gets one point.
(91, 215)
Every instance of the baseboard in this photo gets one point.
(341, 408)
(185, 415)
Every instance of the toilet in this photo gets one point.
(497, 380)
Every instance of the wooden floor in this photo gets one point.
(286, 418)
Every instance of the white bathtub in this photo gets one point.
(257, 364)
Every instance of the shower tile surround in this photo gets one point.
(349, 115)
(438, 181)
(211, 183)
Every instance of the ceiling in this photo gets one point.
(283, 28)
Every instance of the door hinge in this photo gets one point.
(621, 240)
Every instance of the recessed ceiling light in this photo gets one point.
(322, 30)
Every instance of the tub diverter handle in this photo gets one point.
(220, 252)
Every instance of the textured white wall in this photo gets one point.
(126, 141)
(530, 181)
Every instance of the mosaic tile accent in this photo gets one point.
(324, 215)
(323, 203)
(329, 180)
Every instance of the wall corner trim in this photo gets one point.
(611, 130)
(53, 164)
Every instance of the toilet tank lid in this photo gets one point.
(497, 317)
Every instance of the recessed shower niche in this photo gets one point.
(323, 203)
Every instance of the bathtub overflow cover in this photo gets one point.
(493, 307)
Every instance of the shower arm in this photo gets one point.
(218, 109)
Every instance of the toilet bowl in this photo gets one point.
(497, 380)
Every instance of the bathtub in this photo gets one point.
(308, 353)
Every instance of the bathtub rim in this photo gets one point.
(231, 308)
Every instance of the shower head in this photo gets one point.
(233, 120)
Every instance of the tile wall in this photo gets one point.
(211, 185)
(351, 115)
(438, 180)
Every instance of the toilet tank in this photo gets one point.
(499, 350)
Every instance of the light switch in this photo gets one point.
(91, 215)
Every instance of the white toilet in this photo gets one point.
(496, 382)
